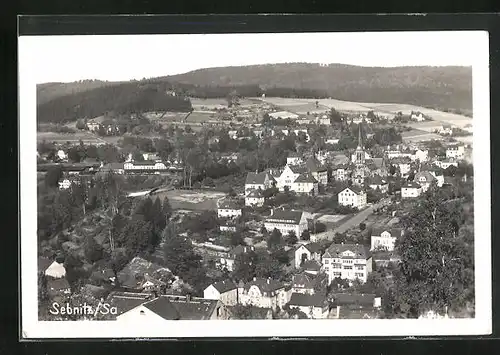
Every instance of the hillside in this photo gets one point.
(436, 87)
(49, 91)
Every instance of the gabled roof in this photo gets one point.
(230, 204)
(255, 193)
(298, 169)
(240, 249)
(401, 160)
(125, 301)
(306, 300)
(357, 190)
(282, 216)
(256, 178)
(311, 265)
(336, 250)
(265, 285)
(43, 263)
(163, 307)
(306, 178)
(395, 232)
(411, 185)
(427, 175)
(312, 247)
(353, 299)
(224, 286)
(376, 180)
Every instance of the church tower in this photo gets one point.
(360, 153)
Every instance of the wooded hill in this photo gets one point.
(437, 87)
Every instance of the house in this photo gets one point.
(318, 171)
(294, 159)
(173, 307)
(266, 293)
(455, 152)
(424, 179)
(62, 155)
(310, 251)
(225, 291)
(233, 134)
(58, 288)
(352, 196)
(417, 116)
(309, 284)
(141, 275)
(92, 126)
(332, 140)
(347, 261)
(227, 262)
(64, 184)
(421, 155)
(341, 172)
(355, 306)
(254, 198)
(151, 156)
(377, 183)
(403, 164)
(56, 270)
(411, 190)
(445, 129)
(446, 163)
(283, 115)
(305, 183)
(43, 264)
(117, 168)
(144, 166)
(255, 181)
(229, 208)
(384, 239)
(311, 267)
(286, 221)
(314, 306)
(124, 301)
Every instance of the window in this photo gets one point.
(336, 274)
(327, 261)
(142, 313)
(359, 274)
(347, 267)
(360, 268)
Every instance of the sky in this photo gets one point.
(126, 57)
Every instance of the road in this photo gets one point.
(351, 222)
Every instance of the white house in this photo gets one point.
(147, 165)
(424, 179)
(64, 184)
(411, 190)
(377, 183)
(347, 261)
(341, 172)
(294, 159)
(305, 252)
(417, 116)
(438, 175)
(384, 239)
(229, 209)
(62, 155)
(404, 165)
(254, 198)
(352, 196)
(455, 152)
(305, 184)
(255, 181)
(314, 306)
(226, 291)
(309, 284)
(286, 221)
(264, 293)
(289, 175)
(445, 130)
(421, 155)
(56, 270)
(318, 171)
(446, 163)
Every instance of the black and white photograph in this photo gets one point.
(257, 180)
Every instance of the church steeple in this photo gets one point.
(360, 139)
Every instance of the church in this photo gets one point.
(360, 158)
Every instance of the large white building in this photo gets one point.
(384, 238)
(353, 197)
(424, 179)
(455, 152)
(347, 261)
(147, 165)
(305, 252)
(283, 115)
(287, 221)
(226, 291)
(254, 198)
(264, 293)
(411, 190)
(229, 209)
(256, 181)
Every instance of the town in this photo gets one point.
(259, 207)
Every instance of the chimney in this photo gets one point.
(255, 279)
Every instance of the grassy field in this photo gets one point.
(208, 103)
(61, 138)
(201, 116)
(417, 135)
(197, 200)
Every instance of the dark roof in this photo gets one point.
(401, 160)
(163, 307)
(240, 249)
(265, 285)
(255, 193)
(427, 175)
(298, 169)
(353, 299)
(355, 189)
(43, 263)
(224, 286)
(57, 284)
(376, 180)
(312, 247)
(113, 166)
(193, 309)
(282, 216)
(306, 178)
(395, 232)
(411, 185)
(230, 204)
(312, 265)
(256, 312)
(125, 301)
(146, 162)
(306, 300)
(335, 250)
(314, 165)
(256, 178)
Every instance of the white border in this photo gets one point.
(480, 325)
